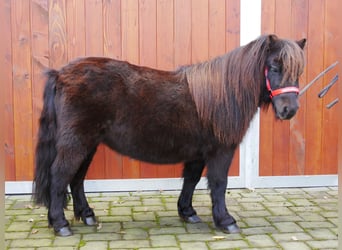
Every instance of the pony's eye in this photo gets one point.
(274, 69)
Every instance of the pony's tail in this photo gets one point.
(46, 145)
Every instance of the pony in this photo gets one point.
(197, 115)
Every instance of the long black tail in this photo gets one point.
(46, 146)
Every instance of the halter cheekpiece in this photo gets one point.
(276, 92)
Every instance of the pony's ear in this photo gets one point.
(272, 39)
(301, 43)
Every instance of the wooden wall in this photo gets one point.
(164, 34)
(306, 145)
(157, 33)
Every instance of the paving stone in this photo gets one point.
(302, 202)
(280, 211)
(67, 241)
(254, 213)
(193, 246)
(225, 244)
(284, 218)
(134, 234)
(124, 244)
(159, 248)
(31, 243)
(152, 202)
(116, 218)
(163, 240)
(250, 206)
(16, 235)
(102, 236)
(18, 226)
(294, 246)
(259, 230)
(322, 234)
(322, 244)
(293, 236)
(53, 248)
(315, 224)
(198, 228)
(286, 227)
(167, 230)
(260, 241)
(168, 213)
(256, 222)
(98, 245)
(148, 208)
(195, 237)
(144, 216)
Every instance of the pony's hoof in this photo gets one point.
(231, 229)
(90, 221)
(64, 232)
(192, 219)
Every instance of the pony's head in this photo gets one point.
(283, 66)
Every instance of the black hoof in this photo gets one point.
(192, 219)
(231, 229)
(90, 221)
(63, 232)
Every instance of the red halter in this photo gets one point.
(276, 92)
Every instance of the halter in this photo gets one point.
(276, 92)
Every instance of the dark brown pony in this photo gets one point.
(197, 114)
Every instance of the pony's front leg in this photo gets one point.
(217, 181)
(192, 174)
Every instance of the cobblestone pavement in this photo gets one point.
(295, 219)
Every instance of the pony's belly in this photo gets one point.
(162, 152)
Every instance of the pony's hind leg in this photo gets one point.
(192, 174)
(81, 206)
(217, 181)
(68, 160)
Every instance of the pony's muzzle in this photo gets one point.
(285, 105)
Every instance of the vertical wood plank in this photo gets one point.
(112, 28)
(217, 28)
(232, 41)
(130, 52)
(22, 89)
(6, 83)
(165, 61)
(148, 57)
(40, 61)
(199, 31)
(182, 43)
(232, 24)
(57, 33)
(182, 32)
(94, 47)
(165, 35)
(281, 130)
(112, 48)
(130, 30)
(148, 33)
(314, 108)
(332, 44)
(75, 29)
(266, 117)
(297, 124)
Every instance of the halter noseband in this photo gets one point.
(276, 92)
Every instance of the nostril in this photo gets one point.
(285, 110)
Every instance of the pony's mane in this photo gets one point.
(227, 89)
(292, 59)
